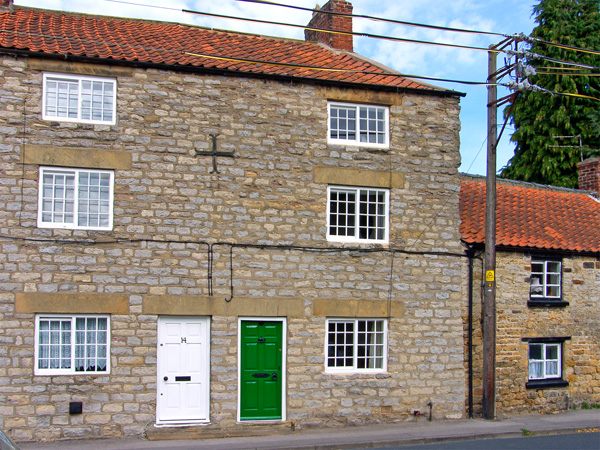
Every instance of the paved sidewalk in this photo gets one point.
(356, 437)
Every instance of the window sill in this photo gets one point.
(355, 372)
(546, 303)
(543, 384)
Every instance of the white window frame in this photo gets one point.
(333, 356)
(76, 98)
(352, 219)
(64, 203)
(69, 357)
(541, 283)
(360, 133)
(551, 368)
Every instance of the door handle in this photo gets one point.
(166, 378)
(274, 377)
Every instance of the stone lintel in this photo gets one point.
(70, 67)
(355, 308)
(359, 95)
(75, 303)
(201, 305)
(357, 177)
(90, 158)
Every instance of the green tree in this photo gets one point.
(539, 117)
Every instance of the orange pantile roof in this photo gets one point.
(132, 40)
(532, 216)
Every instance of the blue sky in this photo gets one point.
(503, 16)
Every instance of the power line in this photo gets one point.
(519, 37)
(526, 86)
(243, 60)
(379, 19)
(510, 52)
(339, 32)
(587, 74)
(298, 66)
(531, 39)
(559, 61)
(328, 69)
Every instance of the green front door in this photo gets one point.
(260, 371)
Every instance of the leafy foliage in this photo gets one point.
(538, 117)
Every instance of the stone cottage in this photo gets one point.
(221, 231)
(547, 294)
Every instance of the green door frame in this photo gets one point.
(265, 375)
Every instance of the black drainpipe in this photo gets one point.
(471, 255)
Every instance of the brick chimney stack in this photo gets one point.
(332, 22)
(589, 175)
(6, 5)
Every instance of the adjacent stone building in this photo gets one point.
(547, 293)
(201, 227)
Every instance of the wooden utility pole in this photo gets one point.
(489, 293)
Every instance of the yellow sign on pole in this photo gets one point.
(489, 276)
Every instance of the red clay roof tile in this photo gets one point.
(533, 217)
(46, 31)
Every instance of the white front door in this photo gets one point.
(183, 369)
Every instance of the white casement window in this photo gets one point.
(364, 125)
(75, 198)
(356, 345)
(66, 344)
(545, 361)
(357, 214)
(79, 98)
(545, 279)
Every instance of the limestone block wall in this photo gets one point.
(516, 320)
(185, 239)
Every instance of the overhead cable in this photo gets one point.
(241, 60)
(519, 37)
(532, 39)
(379, 19)
(526, 86)
(577, 74)
(339, 32)
(528, 54)
(328, 69)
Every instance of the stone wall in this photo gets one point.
(170, 250)
(516, 320)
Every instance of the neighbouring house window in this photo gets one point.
(545, 362)
(357, 214)
(72, 344)
(79, 99)
(75, 198)
(545, 280)
(364, 125)
(356, 345)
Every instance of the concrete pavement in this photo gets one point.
(421, 431)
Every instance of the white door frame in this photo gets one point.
(161, 361)
(283, 321)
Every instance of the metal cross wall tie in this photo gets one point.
(214, 153)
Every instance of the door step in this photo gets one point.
(154, 433)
